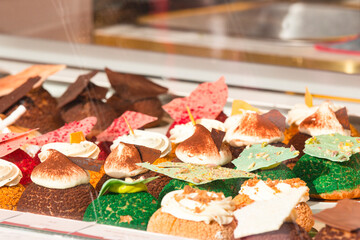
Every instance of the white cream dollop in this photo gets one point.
(145, 138)
(10, 174)
(83, 149)
(301, 111)
(219, 210)
(261, 191)
(182, 132)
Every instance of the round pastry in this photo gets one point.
(60, 188)
(287, 231)
(196, 214)
(332, 233)
(114, 209)
(256, 190)
(202, 149)
(330, 180)
(10, 187)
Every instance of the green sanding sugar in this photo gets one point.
(280, 172)
(324, 176)
(130, 210)
(215, 186)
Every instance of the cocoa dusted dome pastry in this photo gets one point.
(203, 148)
(41, 111)
(60, 188)
(194, 213)
(135, 93)
(84, 99)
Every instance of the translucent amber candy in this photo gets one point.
(9, 196)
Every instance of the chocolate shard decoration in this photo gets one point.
(130, 85)
(276, 118)
(87, 163)
(75, 89)
(217, 136)
(345, 215)
(93, 91)
(10, 99)
(343, 117)
(148, 154)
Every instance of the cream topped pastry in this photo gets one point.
(83, 149)
(323, 121)
(301, 111)
(251, 128)
(10, 174)
(201, 148)
(121, 162)
(58, 172)
(145, 138)
(182, 132)
(198, 205)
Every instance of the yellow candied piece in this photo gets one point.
(290, 132)
(169, 157)
(10, 196)
(77, 137)
(308, 98)
(238, 106)
(354, 131)
(96, 176)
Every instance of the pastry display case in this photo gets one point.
(207, 82)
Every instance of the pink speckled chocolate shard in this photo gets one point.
(9, 142)
(206, 101)
(63, 134)
(119, 127)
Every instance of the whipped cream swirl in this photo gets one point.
(182, 132)
(145, 138)
(83, 149)
(10, 174)
(187, 206)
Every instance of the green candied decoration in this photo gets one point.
(263, 156)
(130, 210)
(322, 176)
(334, 147)
(216, 186)
(196, 174)
(120, 186)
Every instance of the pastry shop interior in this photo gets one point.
(168, 119)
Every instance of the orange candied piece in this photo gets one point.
(238, 106)
(77, 137)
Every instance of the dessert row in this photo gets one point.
(244, 176)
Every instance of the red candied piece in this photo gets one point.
(119, 126)
(222, 117)
(24, 162)
(9, 142)
(63, 134)
(206, 101)
(104, 150)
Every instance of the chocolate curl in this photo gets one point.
(276, 118)
(343, 117)
(10, 99)
(87, 163)
(217, 136)
(148, 154)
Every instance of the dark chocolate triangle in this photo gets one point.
(343, 117)
(217, 136)
(87, 163)
(131, 85)
(276, 118)
(148, 154)
(75, 89)
(93, 91)
(10, 99)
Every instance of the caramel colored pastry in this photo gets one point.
(194, 213)
(10, 196)
(288, 231)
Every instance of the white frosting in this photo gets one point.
(261, 191)
(148, 139)
(301, 111)
(10, 174)
(220, 210)
(84, 149)
(324, 121)
(182, 132)
(221, 158)
(238, 138)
